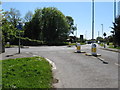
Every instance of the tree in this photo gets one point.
(116, 31)
(12, 16)
(99, 39)
(70, 21)
(104, 34)
(33, 28)
(9, 22)
(49, 25)
(8, 30)
(55, 26)
(28, 16)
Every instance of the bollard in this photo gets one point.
(93, 50)
(69, 44)
(78, 47)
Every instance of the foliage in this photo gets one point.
(99, 39)
(28, 16)
(12, 16)
(116, 32)
(9, 22)
(48, 25)
(70, 21)
(34, 72)
(104, 34)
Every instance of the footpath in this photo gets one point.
(109, 49)
(13, 55)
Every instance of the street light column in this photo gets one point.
(102, 30)
(92, 19)
(114, 10)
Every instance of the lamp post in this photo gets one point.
(92, 19)
(93, 48)
(76, 32)
(102, 30)
(114, 10)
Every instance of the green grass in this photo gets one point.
(0, 75)
(32, 72)
(101, 44)
(75, 44)
(114, 47)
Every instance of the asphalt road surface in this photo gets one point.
(76, 70)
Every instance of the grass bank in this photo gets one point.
(32, 72)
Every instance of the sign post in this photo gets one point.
(19, 26)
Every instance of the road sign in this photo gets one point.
(19, 26)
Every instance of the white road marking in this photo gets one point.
(117, 64)
(35, 55)
(52, 63)
(101, 59)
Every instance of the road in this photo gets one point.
(76, 70)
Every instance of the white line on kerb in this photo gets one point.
(52, 63)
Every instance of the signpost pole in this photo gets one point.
(19, 27)
(19, 43)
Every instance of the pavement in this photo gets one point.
(75, 70)
(110, 49)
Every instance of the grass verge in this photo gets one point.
(0, 75)
(32, 72)
(114, 47)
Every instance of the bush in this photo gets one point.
(29, 42)
(26, 42)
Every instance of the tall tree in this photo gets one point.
(48, 24)
(12, 16)
(33, 28)
(28, 16)
(70, 21)
(116, 32)
(55, 26)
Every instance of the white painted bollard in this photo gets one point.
(8, 43)
(93, 50)
(78, 47)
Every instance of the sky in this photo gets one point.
(79, 11)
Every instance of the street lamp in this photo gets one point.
(92, 19)
(114, 10)
(76, 32)
(93, 49)
(102, 30)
